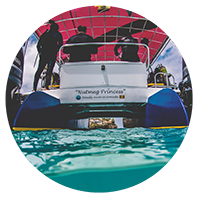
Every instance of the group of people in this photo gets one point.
(51, 40)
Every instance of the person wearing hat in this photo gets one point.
(48, 46)
(80, 53)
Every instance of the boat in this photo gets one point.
(106, 87)
(102, 89)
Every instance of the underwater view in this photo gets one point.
(105, 159)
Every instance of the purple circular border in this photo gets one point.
(193, 60)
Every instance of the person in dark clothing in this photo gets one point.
(48, 46)
(80, 53)
(129, 52)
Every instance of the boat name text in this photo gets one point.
(102, 91)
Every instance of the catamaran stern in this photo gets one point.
(154, 108)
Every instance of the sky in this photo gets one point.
(170, 58)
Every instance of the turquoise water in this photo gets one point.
(100, 160)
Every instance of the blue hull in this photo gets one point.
(165, 109)
(42, 111)
(39, 110)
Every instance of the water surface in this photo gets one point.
(100, 160)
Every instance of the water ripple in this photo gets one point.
(64, 150)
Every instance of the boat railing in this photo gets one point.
(107, 43)
(165, 80)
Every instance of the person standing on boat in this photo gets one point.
(80, 53)
(129, 52)
(48, 46)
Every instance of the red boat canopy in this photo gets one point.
(108, 24)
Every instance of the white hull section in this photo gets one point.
(103, 82)
(103, 73)
(103, 95)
